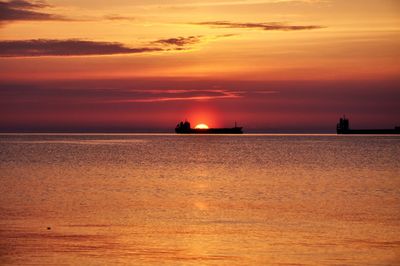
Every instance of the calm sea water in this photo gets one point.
(199, 200)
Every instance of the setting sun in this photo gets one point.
(201, 126)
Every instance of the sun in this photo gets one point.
(201, 126)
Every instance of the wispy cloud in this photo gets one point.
(16, 10)
(270, 26)
(189, 4)
(72, 47)
(152, 96)
(118, 17)
(180, 41)
(90, 95)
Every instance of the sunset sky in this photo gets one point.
(144, 65)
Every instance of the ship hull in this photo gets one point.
(369, 131)
(234, 130)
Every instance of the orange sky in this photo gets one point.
(144, 65)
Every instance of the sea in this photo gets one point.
(166, 199)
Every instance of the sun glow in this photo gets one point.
(201, 126)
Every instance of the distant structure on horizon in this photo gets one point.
(184, 128)
(343, 127)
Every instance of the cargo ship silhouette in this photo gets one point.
(343, 127)
(184, 128)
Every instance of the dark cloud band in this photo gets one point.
(43, 47)
(16, 10)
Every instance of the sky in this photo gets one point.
(145, 65)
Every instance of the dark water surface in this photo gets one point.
(147, 199)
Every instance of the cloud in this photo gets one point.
(25, 94)
(26, 4)
(179, 41)
(191, 4)
(118, 17)
(72, 47)
(152, 96)
(182, 43)
(77, 47)
(16, 10)
(262, 26)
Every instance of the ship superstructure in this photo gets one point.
(185, 128)
(343, 127)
